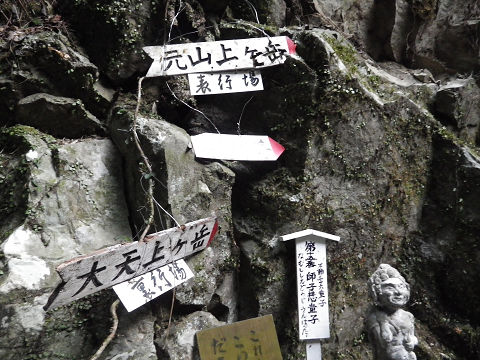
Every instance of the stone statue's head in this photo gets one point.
(387, 288)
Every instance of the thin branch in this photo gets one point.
(170, 215)
(140, 211)
(25, 9)
(164, 226)
(171, 312)
(241, 114)
(161, 207)
(145, 162)
(6, 17)
(113, 330)
(191, 107)
(173, 21)
(189, 33)
(254, 27)
(254, 10)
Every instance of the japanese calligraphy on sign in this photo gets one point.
(224, 83)
(253, 339)
(144, 288)
(312, 292)
(312, 289)
(236, 147)
(88, 274)
(216, 56)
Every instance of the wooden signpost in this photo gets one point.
(236, 147)
(88, 274)
(254, 339)
(312, 289)
(217, 56)
(144, 288)
(225, 83)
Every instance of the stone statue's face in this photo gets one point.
(394, 293)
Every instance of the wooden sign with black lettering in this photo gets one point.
(215, 56)
(88, 274)
(254, 339)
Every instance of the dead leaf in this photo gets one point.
(60, 53)
(54, 18)
(15, 36)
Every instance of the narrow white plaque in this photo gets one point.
(215, 56)
(142, 289)
(224, 83)
(312, 288)
(236, 147)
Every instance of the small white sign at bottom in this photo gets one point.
(142, 289)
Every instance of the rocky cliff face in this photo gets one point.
(378, 113)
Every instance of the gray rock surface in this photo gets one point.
(68, 185)
(449, 241)
(445, 39)
(179, 344)
(58, 116)
(367, 23)
(457, 106)
(47, 62)
(125, 27)
(402, 27)
(269, 12)
(134, 339)
(188, 190)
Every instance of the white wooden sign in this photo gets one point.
(225, 82)
(215, 56)
(236, 147)
(88, 274)
(312, 289)
(144, 288)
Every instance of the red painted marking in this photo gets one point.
(212, 234)
(276, 147)
(291, 46)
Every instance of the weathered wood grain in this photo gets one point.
(102, 269)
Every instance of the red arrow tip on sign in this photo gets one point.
(276, 147)
(291, 46)
(214, 231)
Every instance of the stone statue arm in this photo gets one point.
(379, 330)
(379, 334)
(410, 339)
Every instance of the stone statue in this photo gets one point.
(390, 329)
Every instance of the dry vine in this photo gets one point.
(113, 331)
(148, 174)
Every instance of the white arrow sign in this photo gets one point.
(88, 274)
(236, 147)
(312, 288)
(215, 56)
